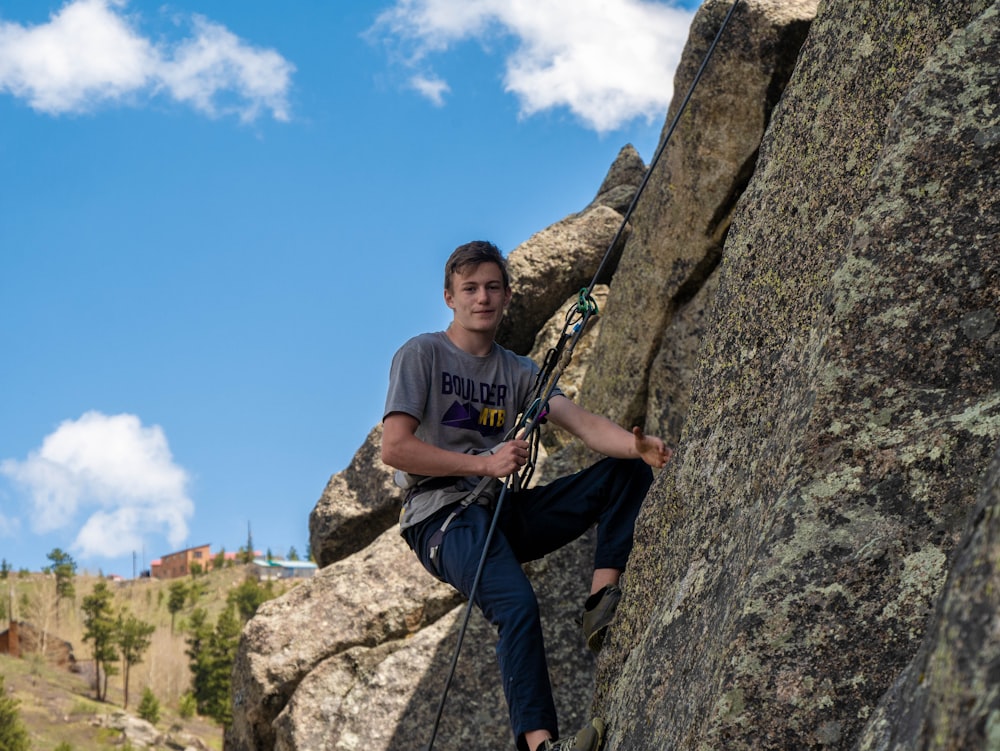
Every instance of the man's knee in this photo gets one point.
(515, 605)
(634, 474)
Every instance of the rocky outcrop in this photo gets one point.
(357, 505)
(320, 668)
(845, 407)
(359, 653)
(138, 733)
(560, 260)
(365, 600)
(622, 181)
(22, 638)
(681, 220)
(552, 265)
(814, 319)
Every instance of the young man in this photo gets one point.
(453, 395)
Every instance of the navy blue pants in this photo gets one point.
(533, 523)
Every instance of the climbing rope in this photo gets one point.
(555, 362)
(663, 144)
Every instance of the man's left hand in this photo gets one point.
(651, 449)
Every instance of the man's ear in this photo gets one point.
(449, 299)
(508, 293)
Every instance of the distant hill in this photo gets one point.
(58, 705)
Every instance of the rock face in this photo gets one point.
(808, 304)
(845, 406)
(549, 267)
(357, 505)
(683, 215)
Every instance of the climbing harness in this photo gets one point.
(555, 362)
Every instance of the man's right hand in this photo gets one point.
(509, 457)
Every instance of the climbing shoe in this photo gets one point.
(597, 614)
(588, 739)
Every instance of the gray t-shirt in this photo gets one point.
(463, 403)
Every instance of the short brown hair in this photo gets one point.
(470, 255)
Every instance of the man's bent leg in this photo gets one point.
(628, 481)
(541, 520)
(544, 519)
(506, 598)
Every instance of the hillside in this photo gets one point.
(58, 704)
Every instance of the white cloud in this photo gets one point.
(9, 526)
(91, 53)
(215, 61)
(432, 88)
(112, 470)
(607, 62)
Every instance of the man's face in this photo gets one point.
(478, 298)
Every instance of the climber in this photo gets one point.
(452, 397)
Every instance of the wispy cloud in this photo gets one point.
(112, 472)
(9, 526)
(91, 53)
(432, 88)
(608, 63)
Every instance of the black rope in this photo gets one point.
(555, 363)
(663, 145)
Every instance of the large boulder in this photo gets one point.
(552, 265)
(358, 655)
(135, 732)
(845, 408)
(564, 258)
(357, 505)
(684, 213)
(365, 600)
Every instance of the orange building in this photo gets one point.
(174, 565)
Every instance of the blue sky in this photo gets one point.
(219, 220)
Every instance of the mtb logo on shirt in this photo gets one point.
(477, 406)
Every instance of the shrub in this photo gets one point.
(149, 707)
(13, 733)
(188, 706)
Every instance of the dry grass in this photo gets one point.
(57, 707)
(164, 668)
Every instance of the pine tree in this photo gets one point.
(199, 632)
(222, 646)
(213, 654)
(64, 568)
(133, 638)
(175, 603)
(13, 733)
(248, 551)
(100, 628)
(249, 596)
